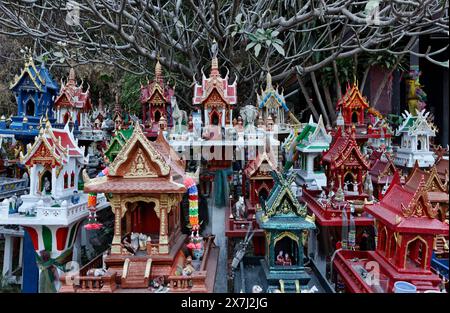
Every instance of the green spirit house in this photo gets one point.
(285, 227)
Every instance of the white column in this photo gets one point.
(20, 251)
(223, 117)
(33, 180)
(310, 163)
(231, 117)
(7, 256)
(54, 186)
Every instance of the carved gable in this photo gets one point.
(138, 158)
(215, 100)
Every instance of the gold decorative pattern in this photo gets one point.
(146, 199)
(139, 137)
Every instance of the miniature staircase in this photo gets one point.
(289, 286)
(136, 273)
(441, 245)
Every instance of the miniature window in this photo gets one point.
(66, 180)
(72, 179)
(286, 252)
(29, 107)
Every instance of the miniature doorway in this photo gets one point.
(144, 220)
(215, 118)
(45, 183)
(350, 182)
(66, 118)
(417, 252)
(355, 117)
(263, 194)
(157, 116)
(286, 251)
(29, 107)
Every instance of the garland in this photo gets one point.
(92, 223)
(195, 243)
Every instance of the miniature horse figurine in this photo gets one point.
(240, 208)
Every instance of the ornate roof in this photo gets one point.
(382, 170)
(254, 165)
(39, 75)
(119, 138)
(215, 86)
(271, 97)
(314, 136)
(352, 99)
(437, 191)
(141, 166)
(53, 147)
(72, 95)
(281, 200)
(407, 210)
(156, 92)
(345, 150)
(416, 124)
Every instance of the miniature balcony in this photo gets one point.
(45, 210)
(12, 186)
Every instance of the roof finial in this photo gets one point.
(72, 75)
(158, 70)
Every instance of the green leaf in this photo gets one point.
(238, 17)
(257, 49)
(250, 45)
(275, 33)
(278, 48)
(268, 42)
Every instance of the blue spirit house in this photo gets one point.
(35, 91)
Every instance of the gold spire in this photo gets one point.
(158, 70)
(72, 75)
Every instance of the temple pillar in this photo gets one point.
(54, 186)
(163, 226)
(310, 163)
(33, 181)
(116, 242)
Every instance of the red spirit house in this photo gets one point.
(407, 227)
(345, 165)
(156, 103)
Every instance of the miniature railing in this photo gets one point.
(197, 281)
(66, 210)
(88, 284)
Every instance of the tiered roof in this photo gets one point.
(416, 124)
(345, 150)
(271, 97)
(39, 75)
(352, 99)
(54, 147)
(382, 170)
(254, 165)
(156, 92)
(313, 137)
(408, 211)
(141, 166)
(213, 87)
(437, 191)
(71, 95)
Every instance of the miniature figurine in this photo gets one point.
(188, 268)
(239, 208)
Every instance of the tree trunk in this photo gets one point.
(319, 99)
(331, 107)
(363, 83)
(307, 98)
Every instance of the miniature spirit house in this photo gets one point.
(406, 227)
(215, 97)
(145, 183)
(310, 143)
(271, 103)
(258, 173)
(54, 208)
(34, 90)
(416, 132)
(345, 164)
(353, 106)
(284, 224)
(73, 104)
(436, 190)
(156, 102)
